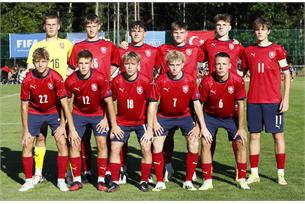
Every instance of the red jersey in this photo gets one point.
(265, 73)
(88, 93)
(104, 54)
(43, 93)
(148, 56)
(213, 46)
(193, 54)
(174, 95)
(219, 97)
(131, 97)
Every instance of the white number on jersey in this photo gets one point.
(261, 67)
(130, 104)
(43, 98)
(86, 100)
(220, 104)
(175, 102)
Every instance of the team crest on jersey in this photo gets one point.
(147, 53)
(230, 89)
(103, 50)
(231, 46)
(188, 52)
(93, 87)
(185, 89)
(62, 45)
(50, 86)
(139, 90)
(271, 54)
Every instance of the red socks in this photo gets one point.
(254, 160)
(191, 163)
(242, 170)
(207, 170)
(145, 171)
(158, 162)
(62, 162)
(101, 166)
(76, 163)
(27, 163)
(280, 160)
(115, 171)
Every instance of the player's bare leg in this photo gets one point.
(39, 153)
(102, 157)
(254, 157)
(115, 164)
(191, 162)
(158, 162)
(146, 163)
(206, 165)
(279, 149)
(241, 160)
(62, 161)
(27, 163)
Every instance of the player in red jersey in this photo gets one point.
(219, 91)
(91, 91)
(105, 60)
(42, 92)
(193, 55)
(223, 43)
(131, 90)
(174, 90)
(266, 106)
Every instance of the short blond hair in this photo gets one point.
(131, 55)
(174, 55)
(40, 53)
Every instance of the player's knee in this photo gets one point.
(146, 149)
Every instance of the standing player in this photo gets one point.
(148, 54)
(223, 43)
(266, 106)
(59, 51)
(193, 54)
(175, 90)
(105, 60)
(90, 90)
(131, 90)
(219, 91)
(42, 91)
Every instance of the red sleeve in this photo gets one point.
(115, 55)
(158, 58)
(114, 88)
(240, 90)
(282, 55)
(105, 88)
(68, 87)
(60, 87)
(241, 51)
(73, 58)
(201, 55)
(148, 89)
(203, 48)
(25, 91)
(203, 90)
(155, 92)
(244, 61)
(195, 91)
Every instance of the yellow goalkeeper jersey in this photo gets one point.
(59, 53)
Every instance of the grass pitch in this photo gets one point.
(11, 176)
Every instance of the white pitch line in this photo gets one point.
(8, 96)
(10, 123)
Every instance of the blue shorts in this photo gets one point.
(35, 122)
(186, 124)
(265, 115)
(139, 129)
(81, 122)
(213, 123)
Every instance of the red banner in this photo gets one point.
(198, 37)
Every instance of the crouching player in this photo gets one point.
(42, 93)
(90, 90)
(176, 91)
(131, 90)
(218, 92)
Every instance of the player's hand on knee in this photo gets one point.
(74, 139)
(102, 126)
(60, 131)
(158, 129)
(195, 132)
(241, 135)
(207, 135)
(146, 138)
(124, 45)
(117, 132)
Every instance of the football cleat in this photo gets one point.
(144, 187)
(101, 186)
(242, 184)
(108, 180)
(194, 177)
(123, 177)
(26, 186)
(281, 180)
(76, 186)
(113, 187)
(37, 179)
(159, 186)
(206, 186)
(253, 178)
(188, 185)
(62, 186)
(169, 172)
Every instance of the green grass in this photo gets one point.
(11, 175)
